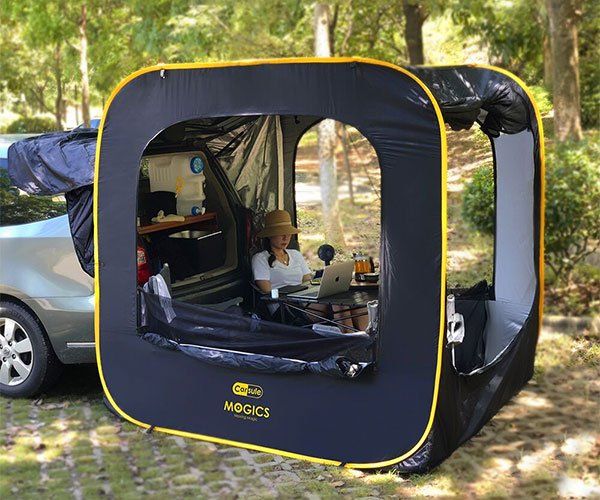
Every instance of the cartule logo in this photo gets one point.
(247, 411)
(247, 390)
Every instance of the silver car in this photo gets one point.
(46, 299)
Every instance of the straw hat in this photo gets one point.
(277, 223)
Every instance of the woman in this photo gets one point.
(278, 266)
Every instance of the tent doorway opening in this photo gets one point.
(205, 186)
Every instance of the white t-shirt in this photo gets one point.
(280, 275)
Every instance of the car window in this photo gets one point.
(17, 207)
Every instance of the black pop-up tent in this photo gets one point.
(240, 380)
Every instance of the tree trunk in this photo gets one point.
(333, 20)
(326, 142)
(83, 67)
(563, 16)
(58, 103)
(415, 15)
(347, 167)
(76, 106)
(547, 62)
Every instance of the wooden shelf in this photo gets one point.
(189, 220)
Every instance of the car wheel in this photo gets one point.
(28, 364)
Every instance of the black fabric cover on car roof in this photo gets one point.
(61, 163)
(53, 163)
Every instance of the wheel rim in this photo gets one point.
(16, 353)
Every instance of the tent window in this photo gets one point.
(204, 188)
(356, 196)
(471, 198)
(494, 293)
(258, 164)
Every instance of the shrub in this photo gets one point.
(572, 204)
(478, 200)
(32, 124)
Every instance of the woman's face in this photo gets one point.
(280, 242)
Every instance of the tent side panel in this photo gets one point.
(468, 401)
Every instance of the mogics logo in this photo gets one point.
(247, 390)
(247, 411)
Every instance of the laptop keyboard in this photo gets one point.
(311, 293)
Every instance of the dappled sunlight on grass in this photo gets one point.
(441, 487)
(578, 445)
(532, 400)
(543, 443)
(532, 462)
(576, 488)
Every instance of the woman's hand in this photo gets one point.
(307, 277)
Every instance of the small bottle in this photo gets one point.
(274, 293)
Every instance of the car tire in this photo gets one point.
(33, 361)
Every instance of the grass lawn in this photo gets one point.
(544, 443)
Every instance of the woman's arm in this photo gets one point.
(263, 285)
(261, 272)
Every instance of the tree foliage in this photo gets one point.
(30, 125)
(478, 200)
(39, 40)
(512, 32)
(589, 64)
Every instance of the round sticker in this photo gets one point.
(197, 164)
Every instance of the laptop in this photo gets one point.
(336, 279)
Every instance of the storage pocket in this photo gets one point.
(470, 354)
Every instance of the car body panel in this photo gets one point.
(71, 323)
(42, 260)
(39, 268)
